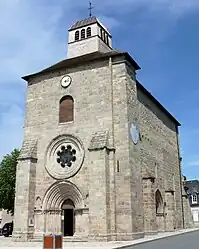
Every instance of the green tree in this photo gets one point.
(7, 180)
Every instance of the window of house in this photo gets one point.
(77, 35)
(88, 32)
(194, 198)
(66, 109)
(83, 34)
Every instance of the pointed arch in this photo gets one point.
(158, 202)
(60, 192)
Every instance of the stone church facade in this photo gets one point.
(100, 157)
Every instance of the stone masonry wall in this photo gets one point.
(134, 154)
(159, 148)
(90, 89)
(105, 98)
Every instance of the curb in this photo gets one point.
(154, 239)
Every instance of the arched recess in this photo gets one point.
(38, 203)
(66, 109)
(158, 202)
(59, 192)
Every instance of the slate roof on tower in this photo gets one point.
(85, 22)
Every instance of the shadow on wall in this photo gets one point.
(150, 103)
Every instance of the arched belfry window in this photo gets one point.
(104, 37)
(88, 32)
(107, 40)
(101, 33)
(83, 34)
(77, 35)
(66, 109)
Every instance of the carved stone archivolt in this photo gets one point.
(64, 157)
(58, 193)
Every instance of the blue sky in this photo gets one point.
(161, 35)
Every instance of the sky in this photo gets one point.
(161, 35)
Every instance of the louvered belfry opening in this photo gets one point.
(66, 109)
(88, 32)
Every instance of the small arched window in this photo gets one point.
(101, 33)
(83, 34)
(104, 37)
(107, 40)
(66, 109)
(77, 35)
(88, 32)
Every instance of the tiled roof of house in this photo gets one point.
(193, 186)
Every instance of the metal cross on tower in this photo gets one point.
(90, 9)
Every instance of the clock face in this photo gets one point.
(65, 81)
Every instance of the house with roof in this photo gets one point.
(193, 196)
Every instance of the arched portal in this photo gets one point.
(68, 218)
(59, 204)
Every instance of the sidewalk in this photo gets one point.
(6, 243)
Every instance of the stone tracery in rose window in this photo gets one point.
(66, 156)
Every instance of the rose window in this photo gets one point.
(66, 156)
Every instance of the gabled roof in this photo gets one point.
(97, 56)
(73, 62)
(143, 89)
(85, 22)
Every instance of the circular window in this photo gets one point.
(64, 157)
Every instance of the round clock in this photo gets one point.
(65, 81)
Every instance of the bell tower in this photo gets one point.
(88, 36)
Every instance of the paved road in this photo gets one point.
(183, 241)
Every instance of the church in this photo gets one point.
(100, 156)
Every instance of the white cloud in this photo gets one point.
(30, 39)
(29, 42)
(11, 132)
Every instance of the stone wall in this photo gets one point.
(114, 187)
(157, 157)
(160, 155)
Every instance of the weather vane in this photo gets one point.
(90, 8)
